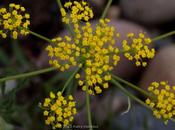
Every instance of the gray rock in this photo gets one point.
(97, 4)
(139, 118)
(9, 85)
(149, 11)
(161, 68)
(114, 12)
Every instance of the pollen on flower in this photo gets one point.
(98, 53)
(14, 21)
(92, 49)
(63, 54)
(163, 103)
(59, 111)
(78, 11)
(137, 48)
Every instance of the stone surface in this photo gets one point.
(112, 102)
(9, 85)
(149, 11)
(162, 67)
(114, 12)
(139, 118)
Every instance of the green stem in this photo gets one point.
(128, 93)
(88, 111)
(67, 25)
(70, 78)
(59, 4)
(131, 85)
(40, 36)
(29, 74)
(106, 9)
(163, 36)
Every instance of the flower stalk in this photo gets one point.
(88, 111)
(163, 36)
(70, 79)
(128, 93)
(67, 25)
(29, 74)
(131, 85)
(106, 9)
(40, 36)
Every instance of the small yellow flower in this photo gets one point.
(59, 110)
(77, 76)
(52, 95)
(63, 12)
(163, 103)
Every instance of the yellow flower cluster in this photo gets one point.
(163, 105)
(78, 11)
(14, 21)
(59, 110)
(92, 49)
(137, 48)
(63, 54)
(98, 54)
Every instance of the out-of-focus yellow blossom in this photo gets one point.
(14, 21)
(93, 49)
(163, 104)
(78, 11)
(137, 48)
(59, 111)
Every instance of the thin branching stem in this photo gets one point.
(40, 36)
(67, 25)
(106, 9)
(88, 110)
(163, 36)
(128, 108)
(129, 94)
(131, 85)
(29, 74)
(70, 79)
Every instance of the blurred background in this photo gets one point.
(19, 104)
